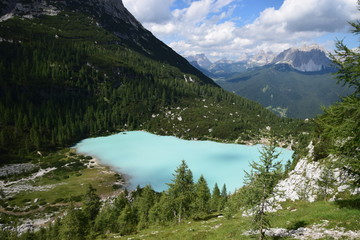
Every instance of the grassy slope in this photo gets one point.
(296, 214)
(69, 180)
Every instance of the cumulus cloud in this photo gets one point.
(303, 18)
(210, 26)
(156, 11)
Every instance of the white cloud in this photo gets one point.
(157, 11)
(209, 26)
(299, 19)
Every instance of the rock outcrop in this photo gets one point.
(305, 181)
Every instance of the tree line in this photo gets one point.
(56, 91)
(132, 211)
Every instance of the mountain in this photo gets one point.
(201, 60)
(113, 17)
(73, 69)
(260, 59)
(286, 90)
(297, 83)
(305, 59)
(225, 68)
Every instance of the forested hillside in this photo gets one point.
(76, 69)
(287, 91)
(64, 78)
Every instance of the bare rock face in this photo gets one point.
(305, 59)
(303, 182)
(26, 9)
(114, 8)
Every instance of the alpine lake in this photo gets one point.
(145, 158)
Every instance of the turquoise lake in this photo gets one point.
(146, 158)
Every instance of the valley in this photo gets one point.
(79, 70)
(296, 83)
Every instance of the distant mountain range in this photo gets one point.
(225, 68)
(294, 83)
(304, 59)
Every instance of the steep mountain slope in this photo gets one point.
(305, 59)
(71, 70)
(287, 91)
(113, 17)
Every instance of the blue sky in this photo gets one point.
(234, 29)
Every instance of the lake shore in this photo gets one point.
(143, 158)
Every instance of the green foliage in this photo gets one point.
(91, 203)
(144, 203)
(290, 93)
(216, 198)
(326, 182)
(181, 192)
(202, 196)
(224, 196)
(127, 220)
(72, 226)
(260, 183)
(339, 126)
(347, 61)
(60, 86)
(162, 211)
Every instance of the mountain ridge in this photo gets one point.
(287, 91)
(308, 58)
(305, 59)
(106, 13)
(66, 77)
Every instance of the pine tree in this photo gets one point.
(202, 196)
(215, 198)
(144, 203)
(260, 183)
(127, 220)
(162, 211)
(224, 197)
(181, 192)
(340, 124)
(91, 203)
(72, 226)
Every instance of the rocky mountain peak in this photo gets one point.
(304, 59)
(28, 9)
(200, 59)
(115, 9)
